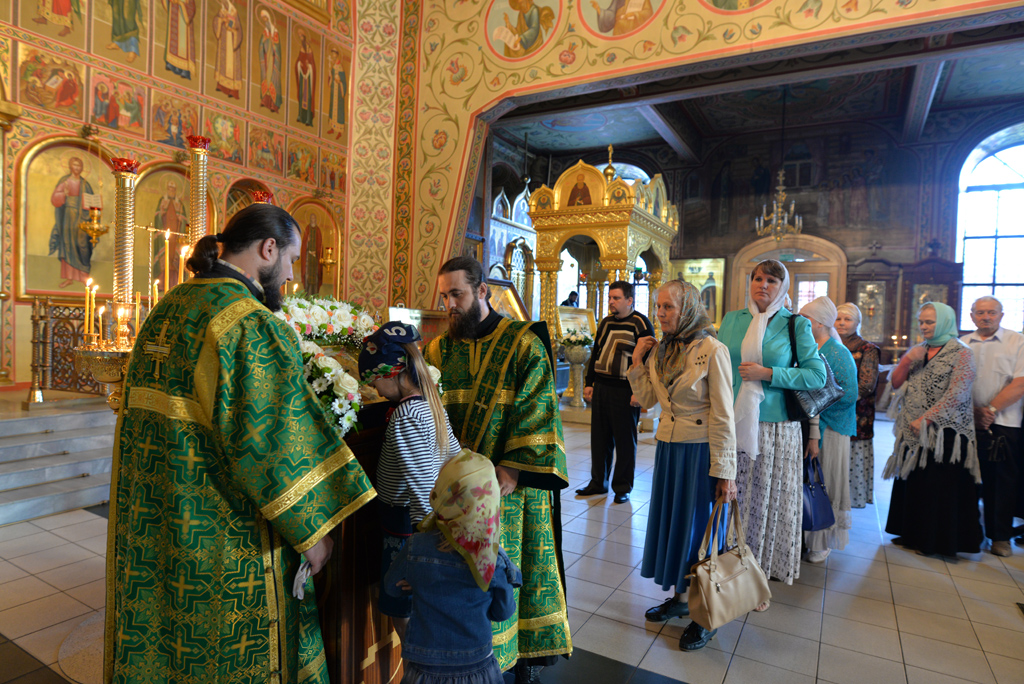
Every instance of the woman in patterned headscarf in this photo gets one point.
(862, 449)
(690, 375)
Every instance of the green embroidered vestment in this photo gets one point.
(225, 469)
(499, 392)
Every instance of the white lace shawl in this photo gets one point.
(940, 391)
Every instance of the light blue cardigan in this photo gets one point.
(777, 356)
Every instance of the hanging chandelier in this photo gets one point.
(781, 222)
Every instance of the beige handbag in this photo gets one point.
(725, 586)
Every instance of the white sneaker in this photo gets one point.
(818, 556)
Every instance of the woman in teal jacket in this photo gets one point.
(768, 444)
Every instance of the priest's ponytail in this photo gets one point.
(204, 255)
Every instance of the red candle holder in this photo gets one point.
(262, 197)
(198, 142)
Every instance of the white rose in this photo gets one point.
(435, 374)
(318, 316)
(327, 363)
(345, 384)
(307, 347)
(365, 322)
(342, 320)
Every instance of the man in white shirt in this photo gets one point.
(998, 407)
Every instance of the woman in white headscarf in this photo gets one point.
(862, 445)
(831, 430)
(769, 447)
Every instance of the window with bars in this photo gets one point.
(990, 235)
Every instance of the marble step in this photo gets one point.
(58, 420)
(50, 498)
(50, 443)
(32, 471)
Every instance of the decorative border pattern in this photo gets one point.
(405, 150)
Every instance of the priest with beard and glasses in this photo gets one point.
(225, 470)
(499, 391)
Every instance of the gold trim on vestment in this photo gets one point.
(543, 621)
(462, 397)
(532, 468)
(532, 440)
(231, 314)
(175, 408)
(306, 483)
(501, 374)
(272, 610)
(109, 623)
(207, 374)
(506, 636)
(282, 630)
(502, 326)
(309, 543)
(311, 667)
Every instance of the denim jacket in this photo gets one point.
(451, 617)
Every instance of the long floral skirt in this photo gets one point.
(771, 499)
(862, 472)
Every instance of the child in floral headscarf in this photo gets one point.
(459, 578)
(418, 440)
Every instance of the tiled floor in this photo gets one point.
(873, 613)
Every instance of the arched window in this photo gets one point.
(990, 233)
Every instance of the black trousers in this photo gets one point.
(613, 428)
(1000, 479)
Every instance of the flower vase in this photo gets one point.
(577, 355)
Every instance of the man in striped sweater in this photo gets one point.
(614, 410)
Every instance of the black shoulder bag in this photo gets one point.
(805, 404)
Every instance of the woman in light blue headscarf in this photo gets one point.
(934, 507)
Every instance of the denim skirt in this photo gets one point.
(396, 528)
(483, 672)
(682, 497)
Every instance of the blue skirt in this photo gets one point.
(484, 672)
(682, 497)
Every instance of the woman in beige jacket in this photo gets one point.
(690, 375)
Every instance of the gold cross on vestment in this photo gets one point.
(244, 644)
(255, 432)
(180, 648)
(480, 405)
(181, 585)
(160, 350)
(248, 585)
(146, 447)
(186, 522)
(137, 508)
(191, 459)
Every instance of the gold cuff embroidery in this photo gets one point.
(176, 408)
(306, 483)
(532, 440)
(336, 520)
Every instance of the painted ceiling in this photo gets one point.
(570, 132)
(981, 79)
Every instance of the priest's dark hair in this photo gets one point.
(255, 223)
(474, 271)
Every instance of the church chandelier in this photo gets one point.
(782, 221)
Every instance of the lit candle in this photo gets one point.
(167, 260)
(153, 298)
(102, 309)
(88, 284)
(92, 308)
(181, 265)
(138, 303)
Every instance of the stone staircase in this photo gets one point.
(54, 462)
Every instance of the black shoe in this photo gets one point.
(527, 674)
(590, 490)
(669, 609)
(622, 498)
(695, 637)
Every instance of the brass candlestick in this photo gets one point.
(93, 228)
(199, 151)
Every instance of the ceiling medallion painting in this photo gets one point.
(617, 18)
(517, 29)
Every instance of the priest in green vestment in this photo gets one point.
(499, 390)
(225, 470)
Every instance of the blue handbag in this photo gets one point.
(818, 513)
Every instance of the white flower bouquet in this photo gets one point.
(327, 322)
(337, 390)
(577, 338)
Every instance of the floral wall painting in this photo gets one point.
(175, 40)
(269, 71)
(519, 28)
(301, 162)
(617, 18)
(118, 105)
(173, 120)
(57, 185)
(50, 82)
(266, 149)
(332, 171)
(120, 31)
(305, 64)
(745, 5)
(341, 17)
(225, 134)
(334, 103)
(226, 50)
(63, 20)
